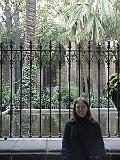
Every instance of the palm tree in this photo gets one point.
(30, 22)
(86, 20)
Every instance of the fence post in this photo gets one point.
(11, 71)
(30, 134)
(40, 50)
(50, 47)
(108, 63)
(21, 89)
(118, 87)
(69, 62)
(1, 45)
(60, 91)
(79, 70)
(99, 55)
(89, 60)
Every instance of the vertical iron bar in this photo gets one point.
(21, 90)
(50, 47)
(108, 51)
(79, 79)
(69, 63)
(1, 62)
(40, 134)
(99, 54)
(11, 105)
(118, 87)
(60, 91)
(89, 54)
(30, 89)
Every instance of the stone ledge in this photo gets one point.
(46, 148)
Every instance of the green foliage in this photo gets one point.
(64, 95)
(56, 98)
(47, 27)
(63, 98)
(112, 87)
(69, 20)
(45, 99)
(4, 38)
(112, 83)
(15, 30)
(26, 83)
(5, 95)
(103, 101)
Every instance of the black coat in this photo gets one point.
(82, 142)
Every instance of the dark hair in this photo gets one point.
(88, 114)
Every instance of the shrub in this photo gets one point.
(113, 87)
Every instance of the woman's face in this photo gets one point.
(81, 109)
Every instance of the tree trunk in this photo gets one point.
(9, 38)
(94, 73)
(30, 22)
(17, 40)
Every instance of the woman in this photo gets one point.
(82, 138)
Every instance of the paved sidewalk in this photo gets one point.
(46, 148)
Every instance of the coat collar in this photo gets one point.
(82, 130)
(73, 121)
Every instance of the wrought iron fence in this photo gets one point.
(47, 81)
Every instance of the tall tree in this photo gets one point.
(48, 28)
(11, 18)
(86, 21)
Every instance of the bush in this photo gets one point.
(6, 93)
(113, 87)
(26, 87)
(103, 101)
